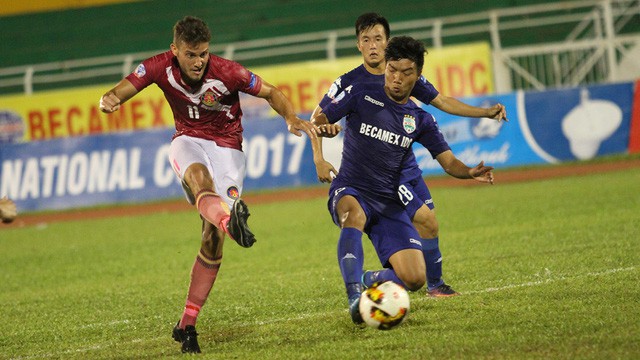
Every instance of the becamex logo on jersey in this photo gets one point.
(409, 123)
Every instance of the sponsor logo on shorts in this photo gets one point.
(233, 192)
(140, 71)
(338, 191)
(414, 241)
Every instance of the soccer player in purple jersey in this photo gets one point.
(206, 150)
(381, 126)
(372, 33)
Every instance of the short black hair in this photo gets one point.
(191, 30)
(368, 20)
(405, 47)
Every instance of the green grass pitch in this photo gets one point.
(548, 269)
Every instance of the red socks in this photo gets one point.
(204, 271)
(203, 275)
(213, 208)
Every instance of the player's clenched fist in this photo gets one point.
(109, 103)
(498, 112)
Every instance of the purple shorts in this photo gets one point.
(414, 194)
(388, 225)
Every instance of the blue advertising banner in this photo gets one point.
(578, 123)
(275, 157)
(544, 127)
(85, 171)
(132, 167)
(499, 144)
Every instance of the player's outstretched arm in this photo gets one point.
(482, 173)
(284, 108)
(456, 107)
(112, 100)
(456, 168)
(8, 210)
(325, 171)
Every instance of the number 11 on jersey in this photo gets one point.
(193, 112)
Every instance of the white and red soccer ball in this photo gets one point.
(384, 306)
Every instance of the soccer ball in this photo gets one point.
(384, 306)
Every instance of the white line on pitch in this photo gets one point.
(550, 280)
(312, 315)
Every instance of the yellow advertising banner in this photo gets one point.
(457, 71)
(306, 83)
(461, 70)
(63, 113)
(12, 7)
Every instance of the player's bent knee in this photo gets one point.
(413, 278)
(414, 282)
(354, 219)
(351, 213)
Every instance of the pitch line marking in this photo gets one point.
(549, 280)
(309, 315)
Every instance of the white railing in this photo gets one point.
(589, 53)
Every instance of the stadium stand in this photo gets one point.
(79, 41)
(146, 26)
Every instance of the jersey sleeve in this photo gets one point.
(424, 91)
(430, 136)
(341, 105)
(250, 83)
(147, 72)
(236, 76)
(334, 90)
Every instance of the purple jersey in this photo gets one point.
(424, 91)
(378, 136)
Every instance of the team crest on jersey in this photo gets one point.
(233, 192)
(140, 71)
(209, 99)
(409, 124)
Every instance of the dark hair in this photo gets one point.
(191, 30)
(405, 47)
(369, 20)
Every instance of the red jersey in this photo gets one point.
(211, 110)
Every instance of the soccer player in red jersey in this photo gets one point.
(206, 150)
